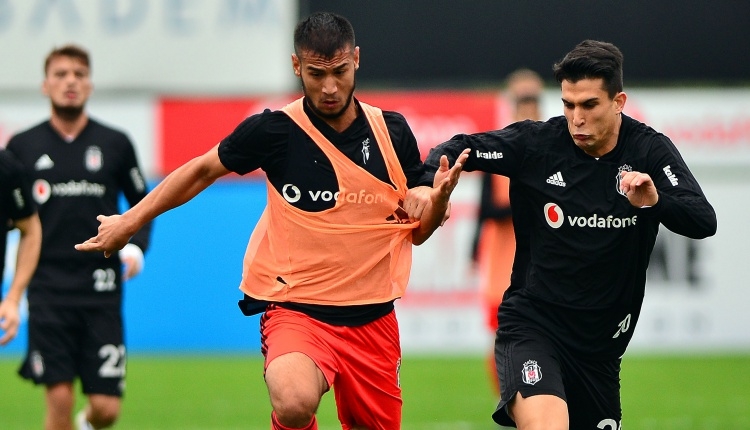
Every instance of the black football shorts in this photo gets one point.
(70, 342)
(529, 363)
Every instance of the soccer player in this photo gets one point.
(347, 196)
(79, 168)
(595, 185)
(494, 243)
(17, 210)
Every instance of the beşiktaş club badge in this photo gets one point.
(93, 158)
(623, 168)
(531, 372)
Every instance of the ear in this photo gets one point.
(45, 87)
(620, 99)
(356, 57)
(296, 65)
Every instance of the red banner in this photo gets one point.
(191, 126)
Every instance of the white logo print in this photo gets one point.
(44, 163)
(37, 363)
(623, 168)
(554, 215)
(531, 372)
(556, 179)
(622, 327)
(671, 176)
(293, 198)
(18, 198)
(138, 182)
(365, 150)
(93, 158)
(494, 155)
(41, 191)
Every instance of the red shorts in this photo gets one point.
(361, 363)
(490, 313)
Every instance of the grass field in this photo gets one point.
(222, 393)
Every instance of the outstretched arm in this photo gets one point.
(176, 189)
(27, 258)
(431, 205)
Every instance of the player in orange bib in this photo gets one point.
(347, 198)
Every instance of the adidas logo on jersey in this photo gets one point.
(556, 179)
(44, 163)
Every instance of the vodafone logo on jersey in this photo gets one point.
(554, 215)
(41, 191)
(555, 218)
(291, 193)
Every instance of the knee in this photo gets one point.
(540, 412)
(294, 410)
(104, 411)
(60, 399)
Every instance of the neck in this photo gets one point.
(68, 126)
(343, 121)
(339, 122)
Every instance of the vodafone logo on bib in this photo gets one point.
(554, 215)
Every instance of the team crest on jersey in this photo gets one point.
(37, 363)
(623, 168)
(93, 158)
(531, 372)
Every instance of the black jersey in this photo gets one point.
(588, 247)
(299, 170)
(72, 183)
(15, 199)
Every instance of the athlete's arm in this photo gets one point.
(681, 205)
(177, 188)
(430, 205)
(498, 151)
(27, 257)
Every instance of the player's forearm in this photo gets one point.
(431, 219)
(29, 246)
(690, 216)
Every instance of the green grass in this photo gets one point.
(440, 393)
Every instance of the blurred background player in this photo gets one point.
(17, 210)
(79, 168)
(494, 242)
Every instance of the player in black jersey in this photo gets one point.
(17, 210)
(79, 168)
(596, 184)
(332, 251)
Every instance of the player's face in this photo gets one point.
(527, 93)
(593, 118)
(328, 83)
(67, 83)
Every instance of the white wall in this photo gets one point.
(187, 46)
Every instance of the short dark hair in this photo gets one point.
(592, 59)
(73, 51)
(324, 33)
